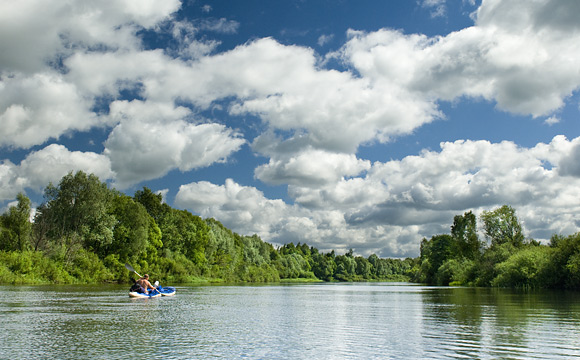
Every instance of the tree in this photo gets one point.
(153, 202)
(323, 266)
(16, 226)
(464, 232)
(345, 267)
(363, 267)
(434, 253)
(78, 211)
(131, 229)
(502, 226)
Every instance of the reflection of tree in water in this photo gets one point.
(497, 322)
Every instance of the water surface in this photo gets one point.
(313, 321)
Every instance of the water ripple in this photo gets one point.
(321, 321)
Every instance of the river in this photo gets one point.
(298, 321)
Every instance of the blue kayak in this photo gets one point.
(160, 291)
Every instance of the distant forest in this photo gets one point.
(84, 232)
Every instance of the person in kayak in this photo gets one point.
(145, 284)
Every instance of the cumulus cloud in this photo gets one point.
(152, 139)
(396, 203)
(55, 161)
(38, 107)
(34, 32)
(502, 58)
(242, 207)
(311, 168)
(50, 164)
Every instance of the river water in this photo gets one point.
(299, 321)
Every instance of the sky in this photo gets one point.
(342, 124)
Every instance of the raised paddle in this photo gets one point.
(130, 268)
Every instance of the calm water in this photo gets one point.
(315, 321)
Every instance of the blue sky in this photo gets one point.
(341, 124)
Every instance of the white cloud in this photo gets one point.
(55, 161)
(36, 108)
(395, 204)
(503, 58)
(10, 183)
(311, 168)
(324, 39)
(50, 164)
(221, 25)
(59, 59)
(33, 32)
(154, 138)
(437, 7)
(552, 120)
(243, 208)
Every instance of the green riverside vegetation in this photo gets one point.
(85, 232)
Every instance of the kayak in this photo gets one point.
(152, 294)
(161, 291)
(166, 291)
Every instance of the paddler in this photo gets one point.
(145, 284)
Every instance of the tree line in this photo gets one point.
(84, 232)
(505, 258)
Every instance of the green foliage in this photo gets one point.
(526, 268)
(565, 262)
(456, 272)
(131, 230)
(31, 267)
(323, 266)
(78, 208)
(293, 266)
(153, 203)
(508, 261)
(15, 226)
(464, 233)
(502, 226)
(434, 253)
(85, 232)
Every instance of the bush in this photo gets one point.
(525, 269)
(31, 267)
(456, 272)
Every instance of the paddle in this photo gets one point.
(130, 268)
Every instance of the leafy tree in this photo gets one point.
(434, 253)
(15, 226)
(502, 226)
(345, 267)
(293, 266)
(363, 267)
(527, 268)
(131, 231)
(152, 202)
(323, 266)
(464, 232)
(564, 267)
(78, 211)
